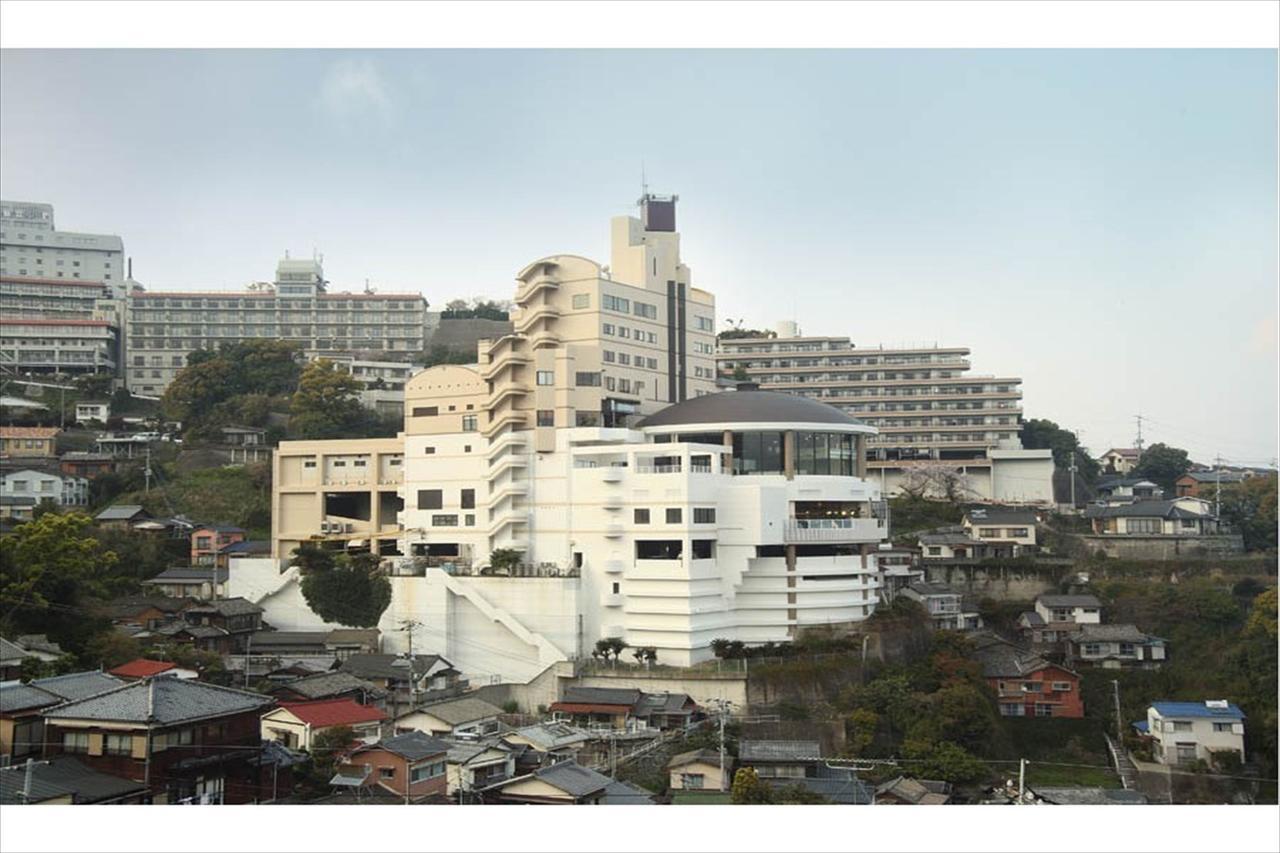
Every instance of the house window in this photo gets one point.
(546, 417)
(692, 781)
(468, 499)
(1180, 726)
(386, 773)
(546, 377)
(430, 498)
(75, 741)
(1222, 727)
(934, 550)
(117, 744)
(1062, 686)
(1017, 532)
(1031, 686)
(641, 516)
(988, 532)
(674, 515)
(704, 515)
(1091, 650)
(1044, 710)
(309, 463)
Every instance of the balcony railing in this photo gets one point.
(834, 529)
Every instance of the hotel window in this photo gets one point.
(704, 515)
(468, 499)
(704, 324)
(608, 356)
(444, 521)
(703, 549)
(644, 309)
(674, 515)
(624, 358)
(608, 329)
(587, 380)
(641, 516)
(546, 377)
(430, 498)
(615, 303)
(582, 300)
(468, 423)
(426, 411)
(469, 520)
(546, 417)
(624, 332)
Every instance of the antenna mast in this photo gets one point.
(1139, 439)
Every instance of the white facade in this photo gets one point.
(62, 489)
(1186, 731)
(30, 246)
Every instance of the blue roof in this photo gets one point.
(1141, 726)
(1196, 709)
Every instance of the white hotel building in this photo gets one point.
(642, 505)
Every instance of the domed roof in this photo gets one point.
(731, 407)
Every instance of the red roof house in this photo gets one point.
(143, 668)
(294, 724)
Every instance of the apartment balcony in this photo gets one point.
(512, 419)
(506, 391)
(534, 287)
(613, 474)
(834, 530)
(534, 314)
(508, 357)
(614, 531)
(612, 502)
(615, 566)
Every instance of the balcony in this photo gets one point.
(535, 313)
(509, 358)
(538, 284)
(834, 530)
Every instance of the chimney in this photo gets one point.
(130, 276)
(26, 781)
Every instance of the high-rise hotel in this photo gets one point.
(638, 503)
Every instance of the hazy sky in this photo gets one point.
(1102, 224)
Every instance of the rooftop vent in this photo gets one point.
(1220, 704)
(747, 386)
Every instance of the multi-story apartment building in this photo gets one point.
(640, 504)
(30, 247)
(928, 409)
(165, 326)
(61, 295)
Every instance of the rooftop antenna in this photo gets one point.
(1139, 439)
(644, 182)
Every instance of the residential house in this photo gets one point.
(93, 410)
(64, 490)
(11, 657)
(88, 465)
(21, 726)
(40, 647)
(17, 508)
(208, 540)
(238, 617)
(423, 678)
(1114, 647)
(412, 766)
(667, 710)
(187, 741)
(835, 785)
(1027, 685)
(204, 638)
(1010, 532)
(28, 442)
(201, 582)
(1202, 484)
(246, 444)
(774, 759)
(1182, 517)
(477, 764)
(342, 643)
(899, 566)
(147, 611)
(121, 516)
(296, 724)
(947, 608)
(1184, 732)
(699, 770)
(903, 791)
(949, 543)
(140, 668)
(245, 548)
(599, 707)
(622, 794)
(550, 742)
(1120, 460)
(464, 718)
(564, 783)
(62, 780)
(1055, 617)
(1117, 491)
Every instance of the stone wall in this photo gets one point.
(1164, 547)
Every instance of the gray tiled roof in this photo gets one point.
(368, 636)
(462, 751)
(120, 512)
(1001, 659)
(548, 736)
(1142, 509)
(189, 574)
(264, 640)
(412, 746)
(1090, 796)
(1215, 476)
(16, 696)
(200, 632)
(38, 643)
(10, 651)
(664, 703)
(839, 785)
(945, 539)
(708, 756)
(916, 791)
(1032, 618)
(62, 775)
(572, 778)
(622, 794)
(925, 588)
(162, 702)
(778, 750)
(1114, 633)
(384, 666)
(78, 685)
(230, 606)
(1069, 601)
(465, 709)
(1000, 515)
(329, 684)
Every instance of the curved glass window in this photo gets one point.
(825, 453)
(757, 453)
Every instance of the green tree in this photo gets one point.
(327, 748)
(48, 568)
(740, 374)
(1250, 508)
(1163, 465)
(860, 730)
(505, 559)
(796, 794)
(944, 760)
(196, 390)
(748, 790)
(352, 591)
(1043, 434)
(110, 648)
(326, 404)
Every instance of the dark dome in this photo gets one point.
(749, 407)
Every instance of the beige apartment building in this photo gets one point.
(164, 327)
(928, 408)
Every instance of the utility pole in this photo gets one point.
(1022, 781)
(1072, 469)
(1217, 484)
(1139, 439)
(723, 703)
(1115, 689)
(147, 470)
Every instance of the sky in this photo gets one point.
(1102, 224)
